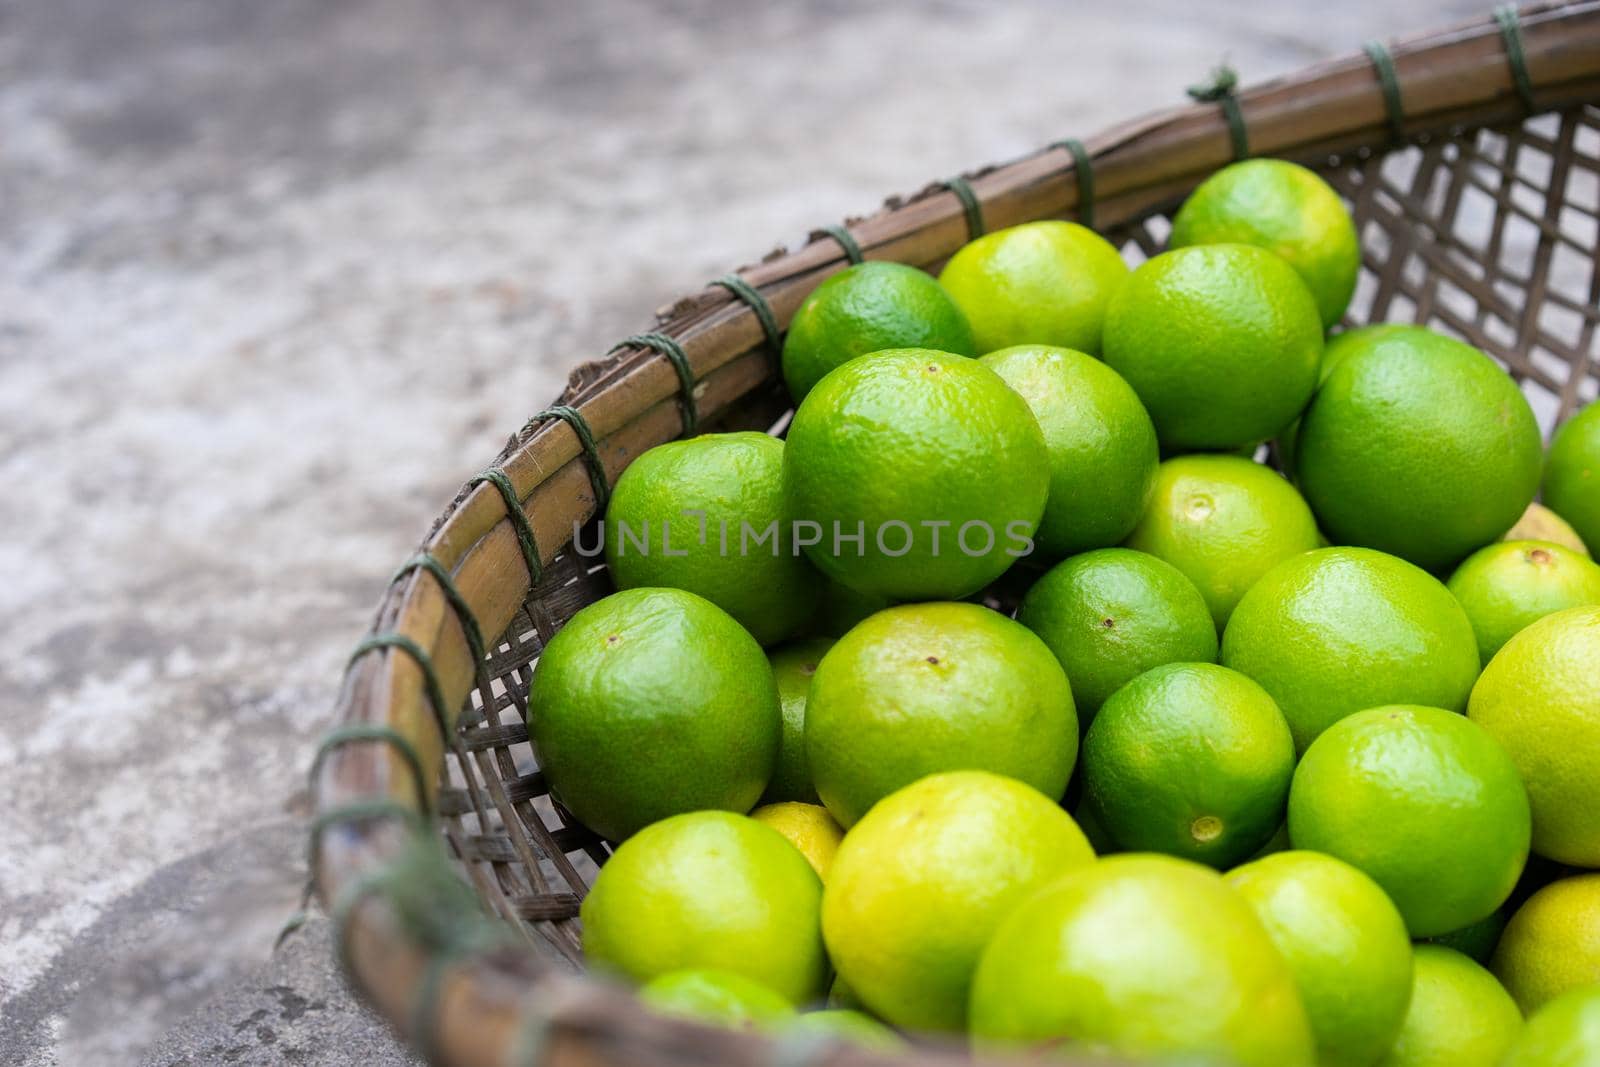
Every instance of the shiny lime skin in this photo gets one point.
(709, 889)
(1459, 1015)
(1103, 451)
(938, 465)
(920, 884)
(1552, 943)
(1112, 614)
(1334, 350)
(1224, 521)
(1572, 475)
(1422, 800)
(924, 688)
(1338, 630)
(867, 308)
(1221, 342)
(846, 1026)
(1346, 944)
(1507, 586)
(792, 668)
(732, 480)
(720, 998)
(1041, 283)
(1418, 445)
(652, 702)
(1189, 759)
(1142, 957)
(1564, 1033)
(1285, 209)
(1540, 698)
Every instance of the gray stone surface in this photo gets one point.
(275, 275)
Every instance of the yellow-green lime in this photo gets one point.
(1102, 445)
(1564, 1033)
(923, 688)
(1143, 957)
(709, 889)
(1041, 283)
(1224, 521)
(676, 517)
(841, 1025)
(1459, 1015)
(1572, 474)
(1552, 943)
(1419, 445)
(1425, 802)
(1286, 209)
(1539, 523)
(1338, 630)
(1507, 586)
(808, 827)
(923, 475)
(721, 998)
(921, 883)
(1189, 759)
(652, 702)
(1540, 698)
(1338, 346)
(1112, 614)
(792, 668)
(1221, 342)
(1346, 945)
(867, 308)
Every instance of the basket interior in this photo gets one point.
(1492, 235)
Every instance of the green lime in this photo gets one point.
(1221, 342)
(1141, 956)
(1419, 445)
(921, 882)
(1334, 350)
(1103, 452)
(1224, 521)
(923, 688)
(1509, 585)
(1572, 474)
(1189, 759)
(1286, 209)
(792, 668)
(721, 998)
(922, 475)
(1346, 944)
(808, 827)
(867, 308)
(652, 702)
(1459, 1016)
(709, 889)
(1476, 940)
(1539, 523)
(1342, 629)
(1552, 943)
(841, 1025)
(676, 518)
(1564, 1033)
(1111, 615)
(1041, 283)
(1425, 802)
(1540, 698)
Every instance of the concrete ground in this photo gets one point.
(276, 275)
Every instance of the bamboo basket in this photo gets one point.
(1471, 160)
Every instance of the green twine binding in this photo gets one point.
(970, 205)
(430, 677)
(1511, 35)
(371, 808)
(1389, 81)
(1220, 91)
(758, 304)
(591, 455)
(373, 731)
(1083, 169)
(846, 241)
(498, 478)
(426, 561)
(673, 351)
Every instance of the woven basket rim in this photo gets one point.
(501, 1006)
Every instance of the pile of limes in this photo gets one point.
(1271, 764)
